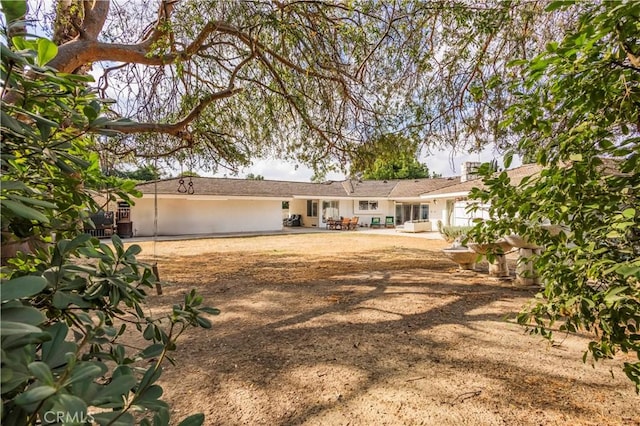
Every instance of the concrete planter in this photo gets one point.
(416, 227)
(465, 258)
(519, 242)
(498, 266)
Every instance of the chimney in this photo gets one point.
(468, 171)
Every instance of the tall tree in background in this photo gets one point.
(144, 173)
(390, 156)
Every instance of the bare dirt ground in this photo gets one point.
(345, 328)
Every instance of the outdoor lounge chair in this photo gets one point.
(375, 222)
(294, 220)
(389, 222)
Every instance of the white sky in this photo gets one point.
(440, 163)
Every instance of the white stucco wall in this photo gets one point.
(437, 211)
(195, 215)
(461, 217)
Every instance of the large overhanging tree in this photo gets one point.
(312, 80)
(228, 81)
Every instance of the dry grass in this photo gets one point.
(348, 328)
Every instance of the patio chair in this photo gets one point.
(332, 223)
(294, 220)
(353, 224)
(344, 225)
(389, 222)
(375, 222)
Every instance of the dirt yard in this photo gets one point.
(345, 328)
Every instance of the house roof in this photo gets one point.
(226, 187)
(516, 175)
(350, 188)
(412, 187)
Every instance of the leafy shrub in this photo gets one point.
(453, 233)
(590, 181)
(67, 301)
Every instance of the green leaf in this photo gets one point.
(203, 322)
(12, 378)
(22, 287)
(211, 311)
(150, 376)
(47, 50)
(575, 157)
(41, 371)
(149, 332)
(14, 9)
(34, 395)
(5, 53)
(22, 314)
(113, 394)
(161, 418)
(54, 351)
(629, 270)
(613, 296)
(193, 420)
(153, 392)
(557, 4)
(9, 328)
(85, 371)
(32, 201)
(152, 351)
(629, 213)
(90, 113)
(74, 406)
(12, 185)
(114, 418)
(23, 211)
(508, 158)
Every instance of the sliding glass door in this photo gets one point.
(407, 212)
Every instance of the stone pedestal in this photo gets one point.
(525, 272)
(499, 267)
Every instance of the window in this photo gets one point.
(366, 205)
(330, 210)
(424, 211)
(411, 212)
(312, 208)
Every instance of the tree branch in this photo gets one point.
(176, 129)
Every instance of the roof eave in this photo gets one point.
(446, 195)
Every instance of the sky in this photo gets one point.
(440, 162)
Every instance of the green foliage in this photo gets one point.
(67, 299)
(144, 173)
(578, 116)
(251, 176)
(389, 157)
(453, 233)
